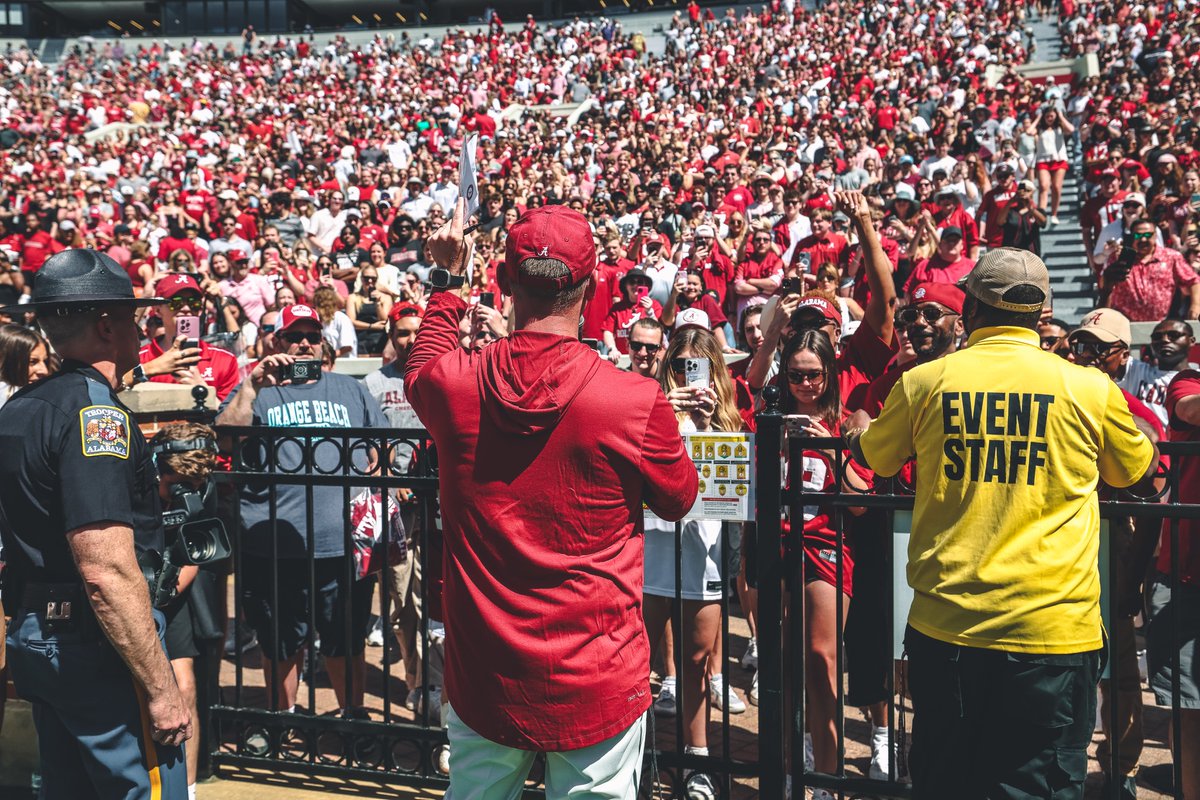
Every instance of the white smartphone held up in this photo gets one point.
(796, 424)
(697, 372)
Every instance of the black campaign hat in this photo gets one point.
(80, 278)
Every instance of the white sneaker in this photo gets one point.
(881, 754)
(699, 786)
(810, 760)
(753, 695)
(716, 691)
(750, 659)
(1054, 220)
(443, 760)
(375, 637)
(822, 794)
(665, 703)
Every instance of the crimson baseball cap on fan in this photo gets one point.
(1007, 268)
(557, 232)
(820, 305)
(946, 294)
(297, 313)
(405, 309)
(174, 284)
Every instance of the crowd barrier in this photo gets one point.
(396, 745)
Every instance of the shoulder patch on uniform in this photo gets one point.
(104, 431)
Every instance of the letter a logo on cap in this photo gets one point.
(545, 251)
(919, 294)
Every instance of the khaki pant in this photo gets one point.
(1124, 670)
(404, 587)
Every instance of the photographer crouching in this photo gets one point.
(186, 455)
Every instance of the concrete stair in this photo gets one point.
(1071, 278)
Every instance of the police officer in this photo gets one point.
(1004, 632)
(78, 502)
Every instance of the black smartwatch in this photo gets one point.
(441, 279)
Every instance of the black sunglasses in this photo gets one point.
(296, 337)
(1094, 349)
(1050, 341)
(909, 314)
(651, 349)
(799, 376)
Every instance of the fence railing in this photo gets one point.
(782, 717)
(362, 722)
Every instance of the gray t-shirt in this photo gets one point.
(335, 401)
(386, 385)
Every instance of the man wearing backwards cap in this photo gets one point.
(78, 502)
(547, 650)
(169, 358)
(1004, 630)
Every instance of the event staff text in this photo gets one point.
(995, 437)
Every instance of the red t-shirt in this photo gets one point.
(36, 248)
(936, 269)
(542, 522)
(1185, 384)
(820, 252)
(218, 368)
(1099, 211)
(989, 211)
(621, 317)
(608, 291)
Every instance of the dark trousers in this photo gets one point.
(994, 724)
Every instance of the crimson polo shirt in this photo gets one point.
(1185, 384)
(218, 368)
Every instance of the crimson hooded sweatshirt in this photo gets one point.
(546, 455)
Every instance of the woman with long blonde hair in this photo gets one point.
(703, 576)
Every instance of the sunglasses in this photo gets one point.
(651, 349)
(1094, 349)
(180, 300)
(295, 337)
(761, 239)
(266, 328)
(799, 376)
(910, 314)
(1050, 341)
(365, 279)
(1146, 235)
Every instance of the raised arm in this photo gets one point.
(882, 302)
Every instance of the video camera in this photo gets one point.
(194, 534)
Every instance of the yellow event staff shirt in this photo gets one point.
(1010, 442)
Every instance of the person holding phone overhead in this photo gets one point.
(696, 382)
(635, 304)
(178, 354)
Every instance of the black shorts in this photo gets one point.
(293, 609)
(180, 637)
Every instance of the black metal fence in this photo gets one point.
(392, 743)
(782, 711)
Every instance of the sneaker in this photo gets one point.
(700, 786)
(753, 695)
(822, 794)
(750, 659)
(443, 759)
(248, 642)
(415, 702)
(414, 697)
(1055, 221)
(716, 691)
(375, 637)
(666, 704)
(881, 754)
(810, 760)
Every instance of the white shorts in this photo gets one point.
(481, 769)
(703, 570)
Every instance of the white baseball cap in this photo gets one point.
(692, 318)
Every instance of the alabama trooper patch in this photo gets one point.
(104, 431)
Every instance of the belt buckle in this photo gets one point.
(60, 607)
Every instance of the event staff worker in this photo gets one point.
(167, 359)
(79, 496)
(1004, 632)
(546, 650)
(267, 397)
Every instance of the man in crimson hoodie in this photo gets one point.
(546, 650)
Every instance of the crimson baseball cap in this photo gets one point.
(174, 284)
(946, 294)
(236, 255)
(822, 306)
(405, 310)
(555, 232)
(297, 313)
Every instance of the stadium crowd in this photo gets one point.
(794, 190)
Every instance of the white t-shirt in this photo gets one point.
(1148, 383)
(340, 333)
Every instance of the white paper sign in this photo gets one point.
(468, 186)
